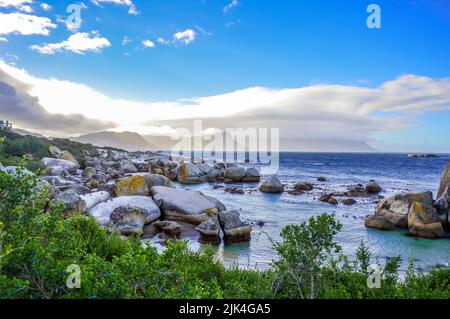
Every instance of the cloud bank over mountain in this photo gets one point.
(322, 111)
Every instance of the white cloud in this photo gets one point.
(148, 44)
(318, 111)
(163, 41)
(46, 6)
(231, 5)
(25, 24)
(185, 37)
(3, 39)
(22, 5)
(132, 7)
(78, 43)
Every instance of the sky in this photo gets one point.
(311, 68)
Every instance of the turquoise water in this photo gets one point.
(394, 172)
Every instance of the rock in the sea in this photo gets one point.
(251, 175)
(129, 219)
(234, 173)
(333, 201)
(234, 190)
(157, 180)
(445, 181)
(379, 222)
(185, 205)
(71, 202)
(234, 229)
(272, 185)
(442, 205)
(131, 186)
(66, 155)
(214, 175)
(356, 191)
(304, 186)
(328, 199)
(102, 211)
(348, 202)
(93, 199)
(67, 166)
(373, 188)
(209, 231)
(189, 173)
(321, 179)
(395, 209)
(424, 222)
(171, 228)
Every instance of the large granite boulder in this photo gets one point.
(89, 172)
(55, 151)
(235, 174)
(65, 165)
(272, 185)
(71, 201)
(131, 186)
(66, 155)
(209, 231)
(234, 229)
(184, 205)
(93, 199)
(157, 180)
(445, 181)
(102, 211)
(171, 228)
(424, 222)
(129, 219)
(379, 222)
(189, 173)
(304, 186)
(442, 205)
(251, 175)
(395, 209)
(373, 188)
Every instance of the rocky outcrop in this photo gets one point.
(93, 199)
(102, 211)
(209, 231)
(189, 173)
(131, 186)
(66, 166)
(129, 219)
(442, 205)
(234, 229)
(234, 174)
(303, 186)
(67, 156)
(185, 205)
(170, 228)
(373, 188)
(379, 222)
(395, 209)
(445, 181)
(251, 175)
(72, 203)
(157, 180)
(424, 222)
(272, 185)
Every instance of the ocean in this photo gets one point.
(396, 173)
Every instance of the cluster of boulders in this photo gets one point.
(417, 212)
(133, 194)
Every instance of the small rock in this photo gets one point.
(272, 185)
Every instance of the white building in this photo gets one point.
(5, 125)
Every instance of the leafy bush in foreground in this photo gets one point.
(38, 244)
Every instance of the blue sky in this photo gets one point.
(284, 44)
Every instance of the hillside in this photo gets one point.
(15, 146)
(129, 141)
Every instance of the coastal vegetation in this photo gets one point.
(39, 243)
